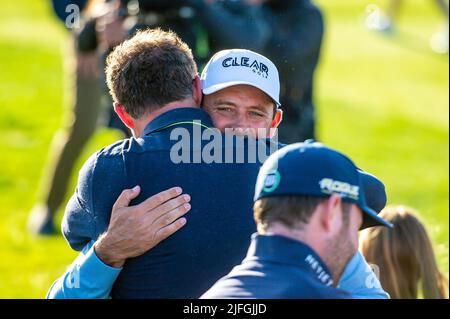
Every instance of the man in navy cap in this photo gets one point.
(309, 206)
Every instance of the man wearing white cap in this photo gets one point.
(241, 90)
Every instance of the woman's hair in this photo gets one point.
(404, 256)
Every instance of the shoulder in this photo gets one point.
(106, 160)
(267, 280)
(112, 153)
(298, 283)
(311, 288)
(116, 149)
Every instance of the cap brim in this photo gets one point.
(371, 218)
(214, 88)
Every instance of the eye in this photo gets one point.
(225, 109)
(256, 114)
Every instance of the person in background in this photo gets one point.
(404, 256)
(439, 42)
(232, 24)
(294, 45)
(105, 24)
(69, 142)
(199, 23)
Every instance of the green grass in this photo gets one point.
(383, 100)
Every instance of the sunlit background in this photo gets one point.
(382, 98)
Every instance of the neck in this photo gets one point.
(140, 124)
(298, 234)
(303, 234)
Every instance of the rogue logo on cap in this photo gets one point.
(329, 186)
(256, 66)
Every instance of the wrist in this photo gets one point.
(106, 254)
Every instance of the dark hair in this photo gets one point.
(150, 70)
(291, 211)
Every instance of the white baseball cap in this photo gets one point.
(237, 66)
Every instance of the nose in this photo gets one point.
(241, 122)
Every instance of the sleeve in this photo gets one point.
(78, 224)
(360, 280)
(234, 25)
(86, 278)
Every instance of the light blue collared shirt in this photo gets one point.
(360, 280)
(86, 278)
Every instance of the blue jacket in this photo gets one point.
(277, 267)
(190, 261)
(218, 226)
(88, 278)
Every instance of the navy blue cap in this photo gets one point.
(311, 168)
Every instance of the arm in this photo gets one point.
(88, 277)
(132, 231)
(78, 224)
(360, 280)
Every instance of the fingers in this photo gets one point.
(168, 230)
(167, 207)
(159, 199)
(126, 197)
(171, 214)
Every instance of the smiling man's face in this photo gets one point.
(242, 107)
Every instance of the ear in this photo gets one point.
(197, 92)
(331, 218)
(275, 122)
(277, 119)
(124, 116)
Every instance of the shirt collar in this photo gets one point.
(284, 250)
(179, 116)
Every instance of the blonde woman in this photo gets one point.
(404, 256)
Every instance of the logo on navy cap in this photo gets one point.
(256, 66)
(330, 186)
(272, 181)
